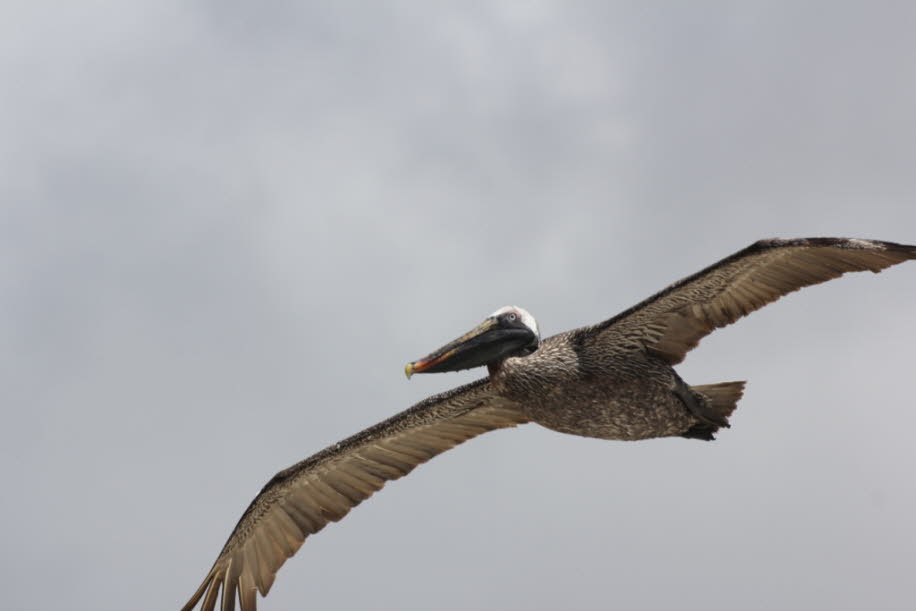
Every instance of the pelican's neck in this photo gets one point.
(501, 368)
(494, 367)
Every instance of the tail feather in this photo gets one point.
(723, 399)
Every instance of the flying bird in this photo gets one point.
(611, 380)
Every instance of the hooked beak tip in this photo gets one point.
(408, 370)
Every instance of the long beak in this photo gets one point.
(483, 344)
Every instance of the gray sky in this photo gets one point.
(226, 226)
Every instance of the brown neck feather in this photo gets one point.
(493, 367)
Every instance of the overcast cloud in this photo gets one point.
(226, 226)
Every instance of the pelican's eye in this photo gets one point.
(511, 317)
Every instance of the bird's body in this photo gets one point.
(572, 387)
(612, 380)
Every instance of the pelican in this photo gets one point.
(611, 380)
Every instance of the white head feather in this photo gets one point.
(523, 314)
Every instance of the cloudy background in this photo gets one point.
(226, 226)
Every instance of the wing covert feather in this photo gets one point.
(303, 499)
(673, 321)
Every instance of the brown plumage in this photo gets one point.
(612, 380)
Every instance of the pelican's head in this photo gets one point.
(509, 331)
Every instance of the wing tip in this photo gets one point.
(211, 586)
(192, 602)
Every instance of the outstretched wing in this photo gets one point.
(301, 500)
(672, 322)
